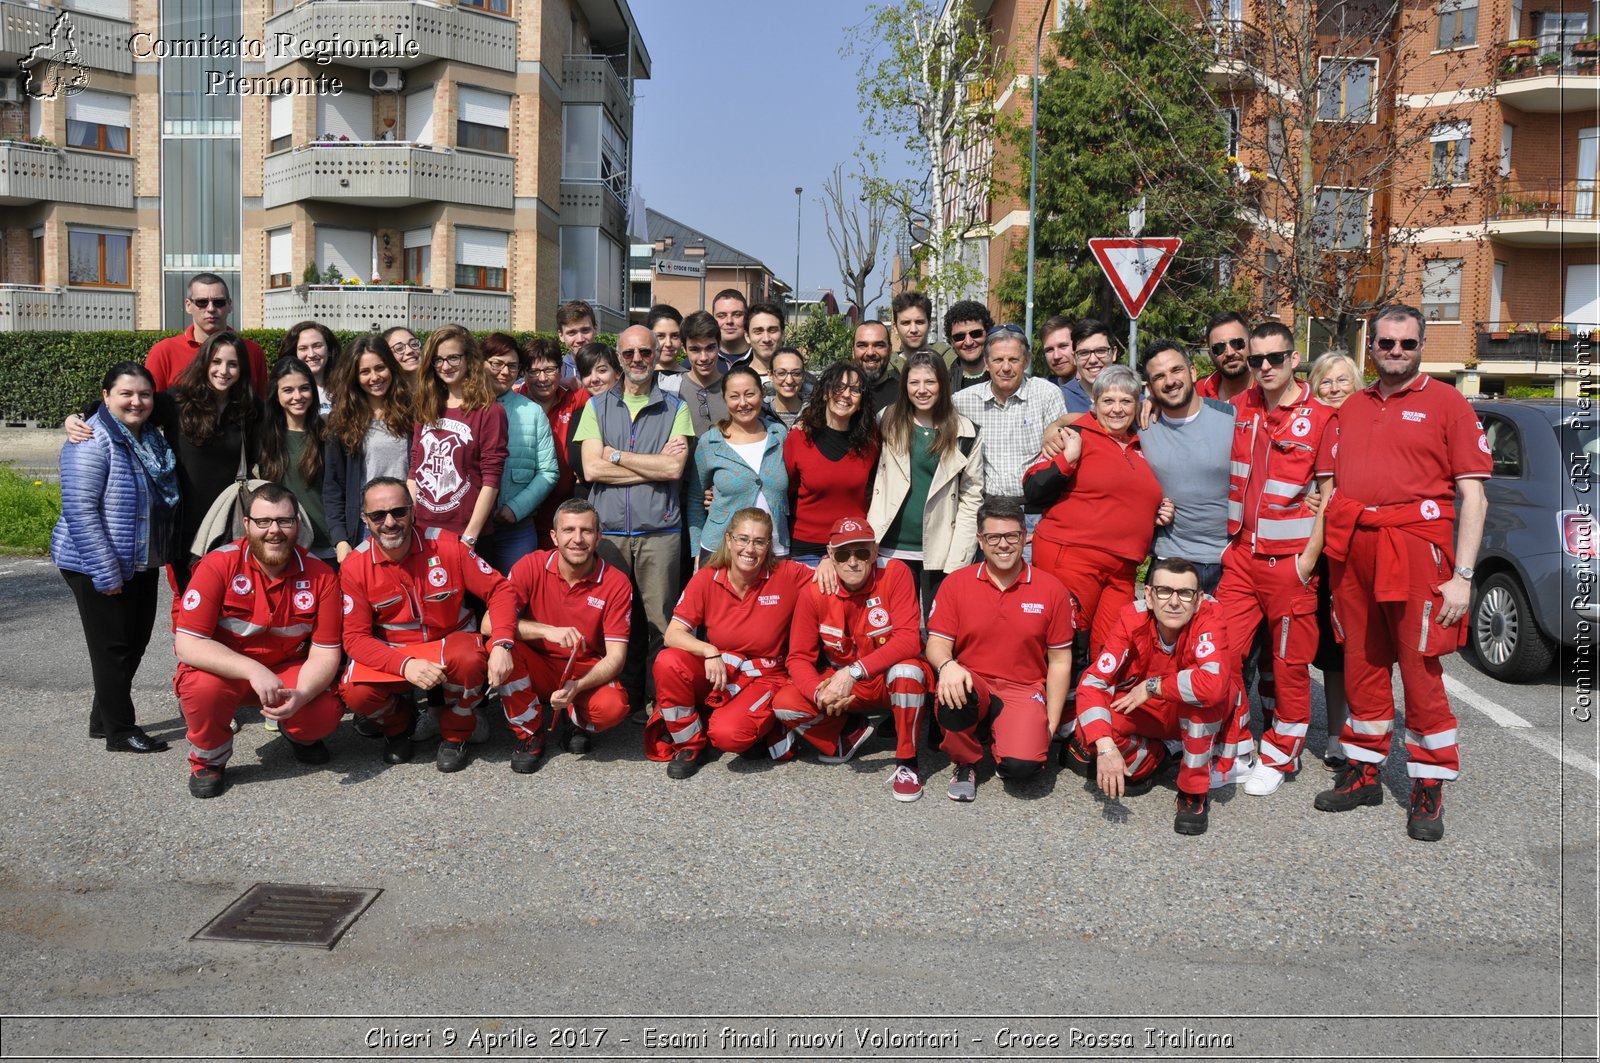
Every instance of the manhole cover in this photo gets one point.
(276, 914)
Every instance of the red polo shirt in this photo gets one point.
(1412, 445)
(273, 620)
(755, 626)
(597, 605)
(170, 357)
(1003, 634)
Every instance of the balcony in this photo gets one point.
(380, 306)
(594, 79)
(1547, 214)
(27, 307)
(31, 173)
(1530, 346)
(1238, 47)
(1570, 86)
(102, 42)
(440, 32)
(387, 174)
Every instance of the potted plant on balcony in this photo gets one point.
(1521, 47)
(1588, 46)
(1557, 334)
(1548, 62)
(1498, 334)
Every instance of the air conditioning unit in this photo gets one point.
(386, 79)
(10, 90)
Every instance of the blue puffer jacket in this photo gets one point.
(111, 525)
(531, 468)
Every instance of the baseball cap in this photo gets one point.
(850, 530)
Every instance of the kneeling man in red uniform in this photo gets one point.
(1162, 676)
(407, 625)
(1000, 643)
(573, 628)
(257, 625)
(868, 633)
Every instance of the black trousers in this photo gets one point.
(117, 629)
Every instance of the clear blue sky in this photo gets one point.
(745, 101)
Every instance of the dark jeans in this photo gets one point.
(927, 584)
(117, 629)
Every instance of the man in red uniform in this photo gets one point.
(1411, 461)
(207, 304)
(1228, 338)
(257, 625)
(869, 634)
(1000, 643)
(1282, 447)
(575, 648)
(1161, 677)
(406, 617)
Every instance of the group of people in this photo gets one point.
(751, 554)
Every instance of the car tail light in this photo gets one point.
(1577, 534)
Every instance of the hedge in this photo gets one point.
(46, 375)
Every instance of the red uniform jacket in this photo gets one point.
(880, 625)
(1276, 489)
(1192, 674)
(272, 621)
(1107, 499)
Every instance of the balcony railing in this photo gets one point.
(1234, 41)
(1551, 198)
(379, 306)
(101, 42)
(1517, 61)
(397, 172)
(595, 79)
(440, 31)
(29, 307)
(31, 173)
(1554, 342)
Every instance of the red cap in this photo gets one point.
(850, 530)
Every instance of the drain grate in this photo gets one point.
(271, 913)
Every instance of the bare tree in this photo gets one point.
(854, 222)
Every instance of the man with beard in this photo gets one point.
(1055, 343)
(258, 625)
(871, 354)
(966, 329)
(1228, 337)
(1187, 447)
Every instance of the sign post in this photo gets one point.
(678, 267)
(1134, 266)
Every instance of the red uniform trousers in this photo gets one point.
(1100, 582)
(740, 715)
(595, 710)
(1020, 730)
(1377, 636)
(1138, 733)
(466, 668)
(1257, 588)
(903, 690)
(208, 702)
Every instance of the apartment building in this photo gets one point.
(357, 162)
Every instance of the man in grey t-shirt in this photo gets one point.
(1188, 445)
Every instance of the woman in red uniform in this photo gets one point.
(1103, 505)
(742, 600)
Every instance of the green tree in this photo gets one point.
(1125, 76)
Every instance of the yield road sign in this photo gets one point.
(1134, 265)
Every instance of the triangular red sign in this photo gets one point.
(1134, 265)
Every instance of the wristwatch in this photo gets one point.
(858, 671)
(1463, 571)
(1152, 686)
(616, 457)
(470, 540)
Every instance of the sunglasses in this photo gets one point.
(1236, 344)
(1273, 358)
(962, 337)
(846, 553)
(1387, 344)
(632, 353)
(207, 304)
(379, 516)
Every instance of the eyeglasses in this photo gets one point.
(749, 540)
(207, 304)
(450, 360)
(963, 337)
(1387, 344)
(1236, 343)
(846, 553)
(997, 538)
(379, 516)
(847, 389)
(281, 523)
(398, 346)
(1185, 594)
(495, 365)
(789, 374)
(1272, 358)
(545, 370)
(1094, 352)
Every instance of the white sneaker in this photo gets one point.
(1242, 767)
(1262, 780)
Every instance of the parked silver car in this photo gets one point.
(1534, 584)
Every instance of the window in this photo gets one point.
(347, 250)
(418, 257)
(280, 258)
(1458, 23)
(1344, 90)
(1270, 266)
(98, 259)
(591, 266)
(1339, 220)
(496, 7)
(1230, 125)
(1277, 145)
(347, 116)
(36, 260)
(1452, 146)
(281, 115)
(483, 120)
(1441, 289)
(1326, 335)
(1507, 134)
(481, 259)
(98, 121)
(1505, 447)
(593, 148)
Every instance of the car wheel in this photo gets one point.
(1505, 638)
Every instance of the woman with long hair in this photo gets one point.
(292, 443)
(314, 344)
(1101, 504)
(740, 463)
(458, 444)
(406, 348)
(929, 481)
(830, 456)
(530, 457)
(119, 493)
(1334, 378)
(368, 434)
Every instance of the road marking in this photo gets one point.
(1552, 745)
(1496, 712)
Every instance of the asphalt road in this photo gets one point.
(761, 911)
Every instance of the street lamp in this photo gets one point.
(795, 296)
(1033, 168)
